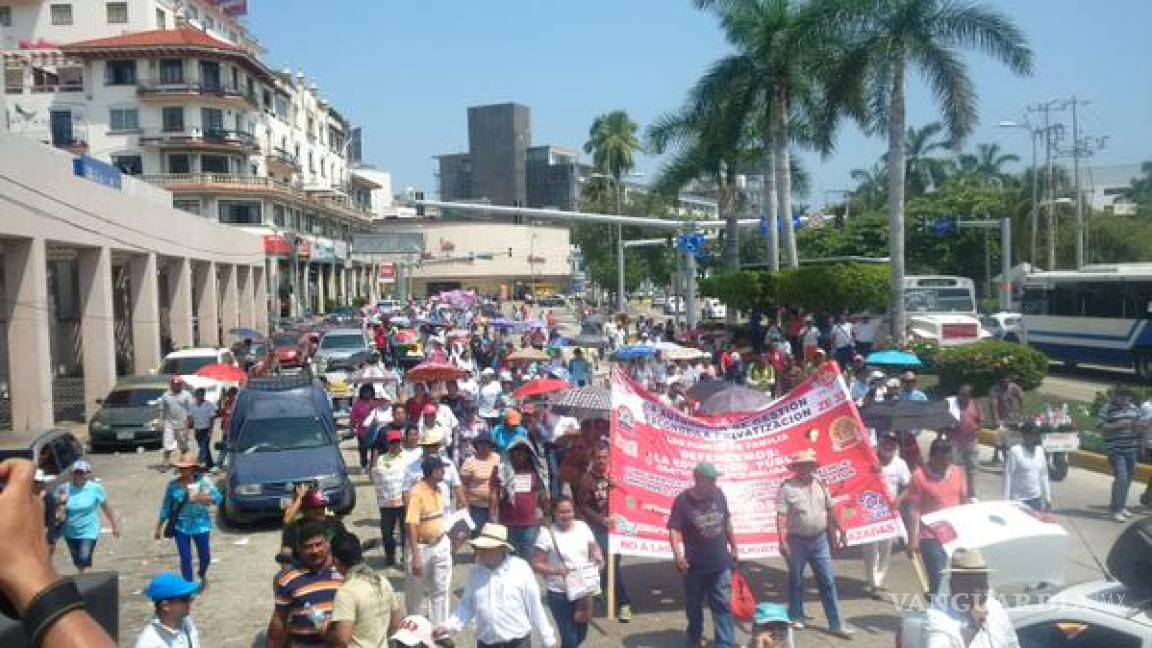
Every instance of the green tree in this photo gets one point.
(923, 171)
(888, 38)
(613, 144)
(1140, 190)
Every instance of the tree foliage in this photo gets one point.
(822, 288)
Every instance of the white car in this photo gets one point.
(186, 362)
(1002, 326)
(714, 309)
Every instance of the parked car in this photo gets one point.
(553, 301)
(344, 316)
(1002, 326)
(289, 350)
(186, 362)
(129, 415)
(282, 434)
(338, 349)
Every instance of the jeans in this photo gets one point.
(935, 562)
(812, 551)
(390, 518)
(184, 548)
(571, 634)
(601, 534)
(433, 585)
(524, 540)
(480, 515)
(522, 642)
(1123, 466)
(362, 448)
(717, 588)
(204, 443)
(81, 550)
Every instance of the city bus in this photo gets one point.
(942, 309)
(1097, 315)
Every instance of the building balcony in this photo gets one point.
(45, 88)
(215, 93)
(213, 139)
(234, 184)
(73, 145)
(283, 161)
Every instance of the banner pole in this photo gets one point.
(610, 561)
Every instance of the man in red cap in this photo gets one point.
(175, 405)
(388, 478)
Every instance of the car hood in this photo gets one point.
(336, 353)
(286, 465)
(124, 416)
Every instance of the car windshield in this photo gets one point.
(938, 300)
(342, 342)
(274, 434)
(279, 341)
(133, 397)
(186, 366)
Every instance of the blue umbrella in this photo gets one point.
(893, 358)
(635, 352)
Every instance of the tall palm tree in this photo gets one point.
(870, 184)
(613, 143)
(774, 53)
(888, 38)
(922, 171)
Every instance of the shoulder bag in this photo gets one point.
(174, 509)
(582, 610)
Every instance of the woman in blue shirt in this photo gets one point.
(190, 497)
(83, 500)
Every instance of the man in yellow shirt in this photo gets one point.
(366, 610)
(429, 550)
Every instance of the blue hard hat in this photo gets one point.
(770, 613)
(168, 587)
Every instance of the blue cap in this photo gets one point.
(769, 613)
(168, 587)
(82, 466)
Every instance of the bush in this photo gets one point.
(855, 288)
(927, 351)
(984, 363)
(359, 302)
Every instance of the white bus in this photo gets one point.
(942, 309)
(1097, 315)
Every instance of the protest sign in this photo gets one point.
(655, 448)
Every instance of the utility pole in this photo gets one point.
(621, 296)
(1046, 109)
(1076, 181)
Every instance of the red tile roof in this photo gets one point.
(179, 37)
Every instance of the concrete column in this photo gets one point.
(321, 290)
(180, 302)
(261, 317)
(346, 296)
(230, 298)
(247, 297)
(356, 282)
(98, 325)
(29, 348)
(268, 289)
(373, 283)
(333, 293)
(207, 304)
(145, 314)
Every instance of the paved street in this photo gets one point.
(235, 608)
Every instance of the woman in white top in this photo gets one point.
(562, 551)
(1026, 471)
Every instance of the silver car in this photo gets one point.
(341, 350)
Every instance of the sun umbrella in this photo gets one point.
(536, 324)
(735, 399)
(903, 415)
(246, 333)
(434, 371)
(528, 354)
(893, 358)
(589, 400)
(541, 387)
(634, 353)
(705, 388)
(223, 373)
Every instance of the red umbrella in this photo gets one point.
(541, 387)
(435, 370)
(223, 373)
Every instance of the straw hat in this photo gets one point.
(186, 460)
(803, 456)
(967, 561)
(432, 436)
(492, 536)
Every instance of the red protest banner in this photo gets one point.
(655, 448)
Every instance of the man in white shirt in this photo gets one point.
(864, 330)
(894, 471)
(969, 616)
(489, 399)
(174, 406)
(843, 342)
(501, 597)
(172, 627)
(202, 413)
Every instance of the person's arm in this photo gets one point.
(1009, 466)
(278, 629)
(293, 509)
(912, 498)
(24, 573)
(110, 515)
(678, 559)
(339, 634)
(540, 561)
(1045, 487)
(782, 531)
(464, 611)
(165, 512)
(412, 522)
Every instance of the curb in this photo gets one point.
(1093, 461)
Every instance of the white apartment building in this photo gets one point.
(177, 93)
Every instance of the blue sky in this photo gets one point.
(407, 70)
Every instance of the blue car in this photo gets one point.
(282, 434)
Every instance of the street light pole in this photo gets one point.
(1035, 211)
(621, 297)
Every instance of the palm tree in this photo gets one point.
(870, 184)
(887, 38)
(613, 144)
(986, 164)
(921, 170)
(777, 62)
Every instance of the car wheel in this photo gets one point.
(1143, 365)
(351, 503)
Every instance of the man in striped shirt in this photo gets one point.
(305, 596)
(1119, 424)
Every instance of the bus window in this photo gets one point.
(1035, 301)
(1064, 301)
(1102, 300)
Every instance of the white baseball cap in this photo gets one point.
(414, 631)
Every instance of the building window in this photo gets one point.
(123, 119)
(278, 215)
(185, 204)
(193, 12)
(173, 119)
(128, 164)
(14, 80)
(209, 23)
(171, 71)
(5, 16)
(212, 121)
(236, 212)
(61, 14)
(214, 164)
(120, 73)
(117, 13)
(161, 19)
(179, 163)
